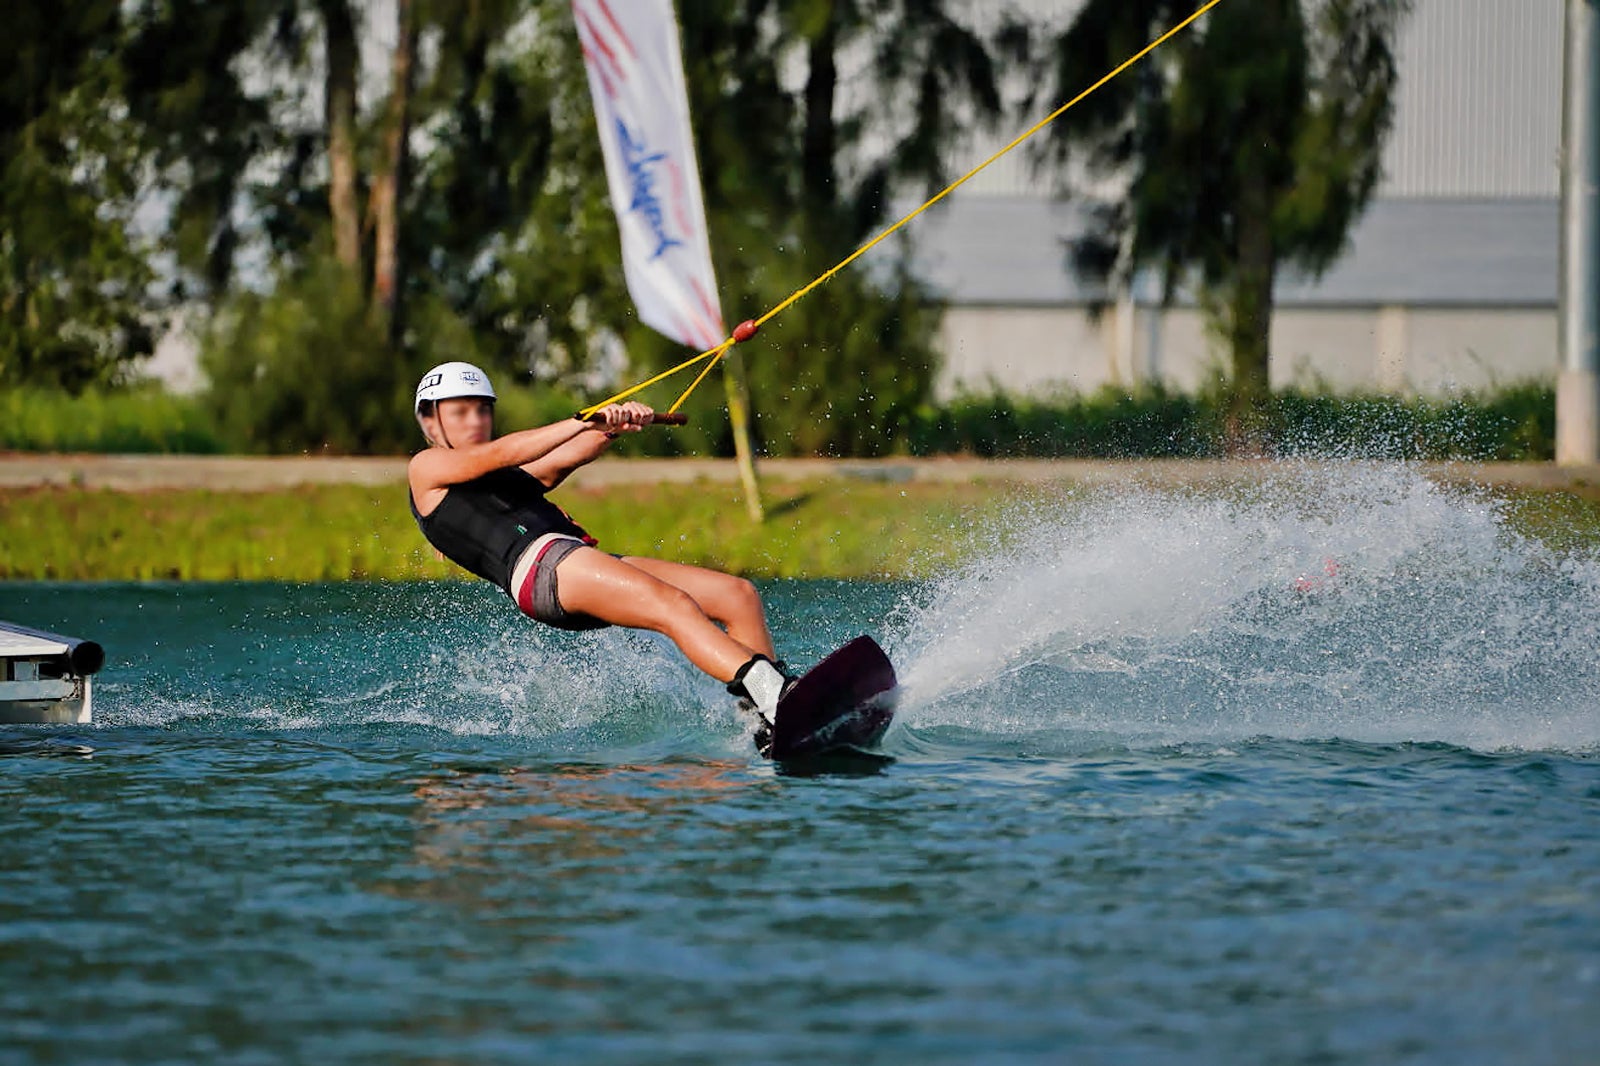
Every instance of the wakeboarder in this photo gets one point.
(482, 502)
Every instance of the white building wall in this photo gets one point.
(1472, 348)
(1429, 351)
(1328, 348)
(1177, 348)
(1023, 350)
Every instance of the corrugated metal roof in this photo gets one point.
(998, 250)
(1482, 252)
(1012, 250)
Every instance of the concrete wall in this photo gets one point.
(1472, 348)
(1023, 350)
(1432, 351)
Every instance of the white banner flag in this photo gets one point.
(631, 50)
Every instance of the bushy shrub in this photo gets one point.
(1110, 423)
(138, 419)
(305, 368)
(1517, 422)
(1514, 423)
(845, 372)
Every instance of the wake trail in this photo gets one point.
(1352, 600)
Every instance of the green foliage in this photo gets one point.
(509, 207)
(204, 115)
(1515, 423)
(338, 532)
(509, 252)
(311, 533)
(845, 369)
(1510, 424)
(849, 378)
(1111, 423)
(74, 308)
(1567, 522)
(843, 372)
(305, 368)
(1525, 416)
(144, 419)
(308, 367)
(523, 404)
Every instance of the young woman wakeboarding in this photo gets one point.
(481, 501)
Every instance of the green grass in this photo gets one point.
(344, 532)
(1566, 522)
(323, 533)
(837, 528)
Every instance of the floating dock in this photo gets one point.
(45, 678)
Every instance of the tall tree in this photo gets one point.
(1252, 141)
(341, 75)
(185, 66)
(933, 77)
(474, 247)
(509, 210)
(389, 180)
(332, 252)
(73, 272)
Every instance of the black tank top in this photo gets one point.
(484, 525)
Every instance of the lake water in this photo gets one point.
(1308, 774)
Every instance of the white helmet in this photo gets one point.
(450, 381)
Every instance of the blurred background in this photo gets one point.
(248, 225)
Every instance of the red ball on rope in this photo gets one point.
(745, 330)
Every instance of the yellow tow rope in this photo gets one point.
(747, 329)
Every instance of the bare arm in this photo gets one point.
(553, 467)
(434, 470)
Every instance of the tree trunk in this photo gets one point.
(820, 138)
(344, 62)
(388, 185)
(1248, 321)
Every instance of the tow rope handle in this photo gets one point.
(662, 418)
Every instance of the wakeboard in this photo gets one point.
(844, 703)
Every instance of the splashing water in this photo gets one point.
(1357, 601)
(449, 657)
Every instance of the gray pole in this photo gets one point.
(1578, 389)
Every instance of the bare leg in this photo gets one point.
(594, 583)
(733, 601)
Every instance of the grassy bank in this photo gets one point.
(834, 528)
(821, 529)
